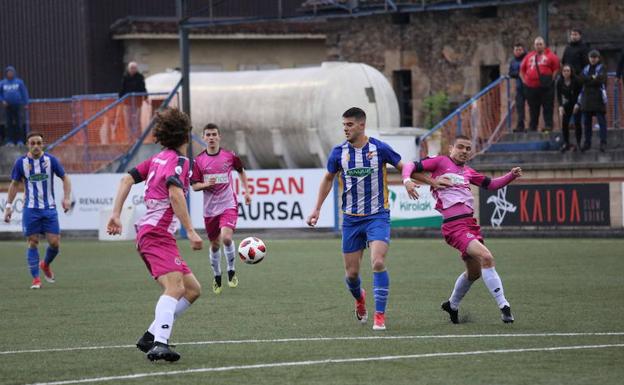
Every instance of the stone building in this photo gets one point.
(457, 51)
(460, 51)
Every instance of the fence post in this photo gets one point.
(616, 103)
(508, 82)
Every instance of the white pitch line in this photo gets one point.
(315, 339)
(326, 361)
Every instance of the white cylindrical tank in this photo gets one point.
(286, 117)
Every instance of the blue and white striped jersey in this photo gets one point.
(38, 177)
(363, 179)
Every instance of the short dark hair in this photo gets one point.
(458, 137)
(594, 53)
(172, 128)
(211, 126)
(355, 112)
(577, 30)
(34, 134)
(518, 44)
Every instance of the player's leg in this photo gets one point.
(192, 291)
(212, 230)
(381, 282)
(462, 285)
(164, 316)
(227, 223)
(51, 253)
(478, 251)
(32, 257)
(378, 236)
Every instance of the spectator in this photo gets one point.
(593, 99)
(133, 81)
(514, 72)
(575, 53)
(568, 89)
(14, 97)
(620, 67)
(538, 71)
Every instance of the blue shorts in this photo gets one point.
(358, 231)
(40, 221)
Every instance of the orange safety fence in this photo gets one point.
(110, 127)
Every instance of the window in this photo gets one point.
(488, 74)
(402, 82)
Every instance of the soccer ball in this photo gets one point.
(252, 250)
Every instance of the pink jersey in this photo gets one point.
(220, 196)
(166, 168)
(458, 199)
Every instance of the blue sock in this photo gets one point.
(32, 256)
(381, 283)
(50, 255)
(354, 287)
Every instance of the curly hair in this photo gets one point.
(172, 128)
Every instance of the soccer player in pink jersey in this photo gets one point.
(212, 174)
(166, 177)
(460, 228)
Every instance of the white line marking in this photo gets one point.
(313, 339)
(326, 361)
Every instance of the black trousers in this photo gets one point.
(544, 98)
(520, 102)
(602, 122)
(14, 124)
(565, 125)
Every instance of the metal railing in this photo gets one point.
(491, 113)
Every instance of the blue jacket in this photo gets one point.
(13, 91)
(514, 70)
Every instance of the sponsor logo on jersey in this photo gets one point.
(219, 178)
(359, 172)
(38, 177)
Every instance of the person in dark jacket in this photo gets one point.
(568, 88)
(133, 81)
(514, 73)
(14, 98)
(620, 68)
(593, 99)
(575, 53)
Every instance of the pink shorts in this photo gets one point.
(160, 254)
(460, 232)
(214, 224)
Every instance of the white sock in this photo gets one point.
(495, 286)
(181, 307)
(164, 316)
(215, 261)
(229, 252)
(462, 285)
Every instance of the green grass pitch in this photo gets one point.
(566, 294)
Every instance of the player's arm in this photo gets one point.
(178, 203)
(496, 183)
(66, 192)
(8, 209)
(114, 223)
(324, 189)
(245, 182)
(417, 171)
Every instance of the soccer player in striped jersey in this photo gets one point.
(361, 162)
(166, 175)
(36, 170)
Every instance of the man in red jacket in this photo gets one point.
(539, 82)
